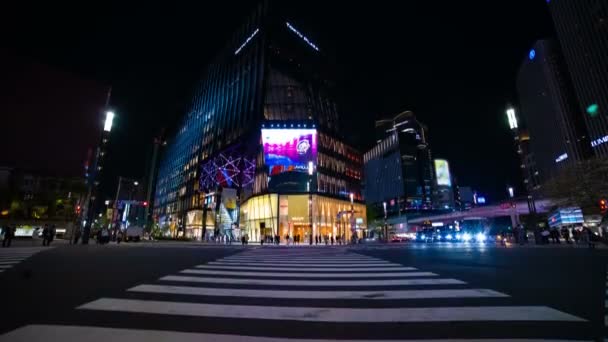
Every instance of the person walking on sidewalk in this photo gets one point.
(45, 235)
(52, 232)
(9, 233)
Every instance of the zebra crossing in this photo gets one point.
(9, 257)
(269, 295)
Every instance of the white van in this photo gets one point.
(134, 233)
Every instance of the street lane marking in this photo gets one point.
(378, 282)
(299, 260)
(436, 314)
(312, 275)
(284, 264)
(290, 260)
(282, 257)
(6, 266)
(70, 333)
(341, 295)
(326, 269)
(9, 262)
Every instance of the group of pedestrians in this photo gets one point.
(548, 235)
(270, 239)
(328, 239)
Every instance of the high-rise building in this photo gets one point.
(260, 151)
(549, 109)
(582, 30)
(398, 169)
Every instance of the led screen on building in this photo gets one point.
(286, 154)
(442, 172)
(288, 150)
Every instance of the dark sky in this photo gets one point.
(451, 62)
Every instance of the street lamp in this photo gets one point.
(108, 123)
(385, 225)
(511, 192)
(136, 183)
(512, 118)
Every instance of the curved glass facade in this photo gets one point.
(273, 214)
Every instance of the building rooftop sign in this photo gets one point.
(293, 29)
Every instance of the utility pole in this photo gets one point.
(158, 142)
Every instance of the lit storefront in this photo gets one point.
(272, 214)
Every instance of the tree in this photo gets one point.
(581, 184)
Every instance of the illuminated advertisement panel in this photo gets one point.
(288, 150)
(442, 172)
(287, 153)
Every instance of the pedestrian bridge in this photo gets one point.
(489, 211)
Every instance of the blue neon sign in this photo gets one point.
(532, 54)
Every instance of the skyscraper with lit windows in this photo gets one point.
(260, 150)
(582, 30)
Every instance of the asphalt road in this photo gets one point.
(170, 292)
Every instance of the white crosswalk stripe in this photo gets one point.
(41, 333)
(272, 287)
(310, 274)
(9, 257)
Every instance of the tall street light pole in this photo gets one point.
(95, 175)
(385, 230)
(514, 126)
(310, 173)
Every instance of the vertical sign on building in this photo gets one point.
(442, 172)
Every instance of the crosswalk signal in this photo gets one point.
(603, 206)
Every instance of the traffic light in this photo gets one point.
(603, 206)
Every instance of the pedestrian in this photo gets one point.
(310, 238)
(118, 237)
(332, 239)
(589, 233)
(555, 236)
(45, 235)
(316, 239)
(545, 234)
(566, 235)
(52, 232)
(9, 233)
(76, 235)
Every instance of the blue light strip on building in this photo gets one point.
(246, 41)
(302, 36)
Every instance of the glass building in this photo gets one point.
(261, 116)
(399, 170)
(549, 108)
(582, 31)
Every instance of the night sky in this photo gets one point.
(451, 62)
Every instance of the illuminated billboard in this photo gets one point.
(442, 172)
(288, 150)
(287, 153)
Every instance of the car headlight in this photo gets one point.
(481, 237)
(466, 237)
(457, 236)
(422, 236)
(448, 237)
